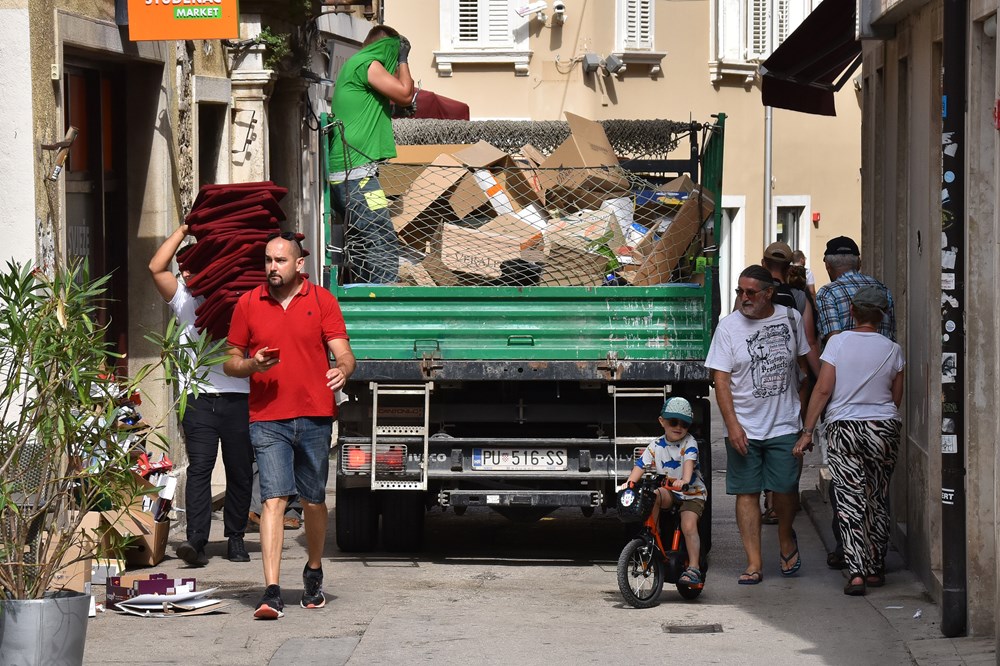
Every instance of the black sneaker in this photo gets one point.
(191, 554)
(237, 551)
(312, 581)
(271, 606)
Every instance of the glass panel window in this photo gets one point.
(635, 25)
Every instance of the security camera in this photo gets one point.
(559, 11)
(531, 8)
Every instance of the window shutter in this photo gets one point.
(757, 29)
(730, 31)
(639, 25)
(484, 23)
(782, 22)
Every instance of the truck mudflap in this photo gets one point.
(520, 498)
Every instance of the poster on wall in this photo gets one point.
(151, 20)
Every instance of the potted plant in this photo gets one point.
(67, 443)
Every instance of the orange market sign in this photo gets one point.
(150, 20)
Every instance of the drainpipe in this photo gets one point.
(768, 222)
(954, 593)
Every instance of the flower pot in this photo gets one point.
(45, 631)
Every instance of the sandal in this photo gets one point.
(853, 589)
(835, 560)
(691, 576)
(876, 579)
(769, 517)
(750, 578)
(785, 559)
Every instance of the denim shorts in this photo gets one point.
(768, 465)
(293, 457)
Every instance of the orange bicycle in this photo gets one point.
(645, 563)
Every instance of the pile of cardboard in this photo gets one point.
(156, 595)
(476, 215)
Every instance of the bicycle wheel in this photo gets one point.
(640, 574)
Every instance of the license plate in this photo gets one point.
(519, 459)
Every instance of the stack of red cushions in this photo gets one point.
(231, 223)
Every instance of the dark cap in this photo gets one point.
(841, 245)
(871, 297)
(778, 251)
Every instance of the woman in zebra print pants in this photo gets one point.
(863, 431)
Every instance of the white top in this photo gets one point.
(668, 459)
(810, 278)
(765, 375)
(866, 364)
(216, 381)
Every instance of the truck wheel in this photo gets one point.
(356, 520)
(403, 514)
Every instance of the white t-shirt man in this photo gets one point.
(184, 305)
(762, 357)
(863, 390)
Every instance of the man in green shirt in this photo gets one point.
(362, 138)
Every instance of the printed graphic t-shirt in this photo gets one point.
(668, 458)
(762, 357)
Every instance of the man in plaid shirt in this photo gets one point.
(833, 300)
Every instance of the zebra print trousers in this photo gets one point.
(862, 455)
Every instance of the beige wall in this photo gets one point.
(814, 157)
(901, 203)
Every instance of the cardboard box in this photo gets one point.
(398, 174)
(585, 229)
(75, 567)
(496, 179)
(583, 171)
(664, 202)
(513, 226)
(423, 206)
(572, 267)
(476, 252)
(672, 245)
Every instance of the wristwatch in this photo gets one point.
(806, 431)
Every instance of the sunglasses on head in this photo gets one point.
(288, 236)
(673, 423)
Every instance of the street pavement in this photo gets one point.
(489, 591)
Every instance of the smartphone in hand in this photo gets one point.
(271, 353)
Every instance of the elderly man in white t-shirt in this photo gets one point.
(757, 357)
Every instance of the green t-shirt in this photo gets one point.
(367, 130)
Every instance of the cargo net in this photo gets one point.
(482, 216)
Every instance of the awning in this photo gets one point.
(814, 61)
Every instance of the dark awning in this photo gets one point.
(814, 61)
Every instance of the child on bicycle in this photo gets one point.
(675, 455)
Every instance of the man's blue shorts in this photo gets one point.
(293, 457)
(768, 465)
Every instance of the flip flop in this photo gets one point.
(791, 571)
(691, 576)
(750, 578)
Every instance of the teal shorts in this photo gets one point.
(768, 465)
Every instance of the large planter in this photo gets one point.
(43, 632)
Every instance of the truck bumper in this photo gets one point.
(520, 498)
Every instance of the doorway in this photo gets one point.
(96, 195)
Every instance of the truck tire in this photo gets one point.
(356, 520)
(403, 514)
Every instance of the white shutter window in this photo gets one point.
(484, 24)
(730, 31)
(635, 25)
(783, 22)
(758, 29)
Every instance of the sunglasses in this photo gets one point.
(288, 236)
(750, 293)
(673, 423)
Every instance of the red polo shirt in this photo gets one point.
(296, 385)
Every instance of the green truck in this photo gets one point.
(520, 399)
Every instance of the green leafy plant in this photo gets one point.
(64, 449)
(277, 47)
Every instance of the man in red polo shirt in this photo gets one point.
(280, 337)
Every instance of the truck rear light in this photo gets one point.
(356, 459)
(391, 458)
